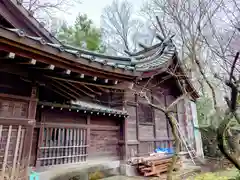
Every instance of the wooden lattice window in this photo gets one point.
(145, 113)
(63, 145)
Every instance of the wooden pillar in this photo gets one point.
(88, 134)
(30, 128)
(40, 141)
(122, 139)
(167, 120)
(125, 126)
(154, 123)
(137, 123)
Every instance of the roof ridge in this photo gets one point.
(128, 59)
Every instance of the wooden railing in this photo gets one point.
(11, 150)
(62, 145)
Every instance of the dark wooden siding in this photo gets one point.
(104, 143)
(144, 137)
(104, 131)
(58, 116)
(131, 123)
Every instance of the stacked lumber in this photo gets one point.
(154, 165)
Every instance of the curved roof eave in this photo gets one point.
(129, 66)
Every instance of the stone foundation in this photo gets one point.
(82, 170)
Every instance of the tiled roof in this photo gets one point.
(86, 107)
(148, 61)
(27, 19)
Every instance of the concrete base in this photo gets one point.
(128, 170)
(54, 173)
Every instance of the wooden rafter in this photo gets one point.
(5, 86)
(56, 91)
(78, 88)
(102, 89)
(90, 89)
(67, 88)
(64, 91)
(16, 71)
(30, 62)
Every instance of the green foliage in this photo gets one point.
(82, 34)
(210, 176)
(96, 175)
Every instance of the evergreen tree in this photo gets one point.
(82, 34)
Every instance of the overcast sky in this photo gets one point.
(93, 8)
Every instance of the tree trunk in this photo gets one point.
(173, 125)
(222, 143)
(209, 84)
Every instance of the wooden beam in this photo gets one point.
(13, 70)
(88, 133)
(74, 125)
(137, 122)
(102, 89)
(64, 91)
(14, 97)
(124, 85)
(86, 83)
(63, 85)
(56, 91)
(5, 86)
(25, 80)
(11, 55)
(68, 72)
(85, 86)
(51, 67)
(154, 121)
(74, 86)
(32, 62)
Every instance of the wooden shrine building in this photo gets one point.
(61, 105)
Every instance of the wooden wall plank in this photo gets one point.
(1, 129)
(40, 143)
(63, 144)
(46, 145)
(58, 161)
(55, 144)
(88, 134)
(74, 144)
(49, 145)
(6, 152)
(19, 160)
(81, 144)
(67, 144)
(16, 151)
(84, 143)
(70, 144)
(78, 144)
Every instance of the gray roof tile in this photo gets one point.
(147, 61)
